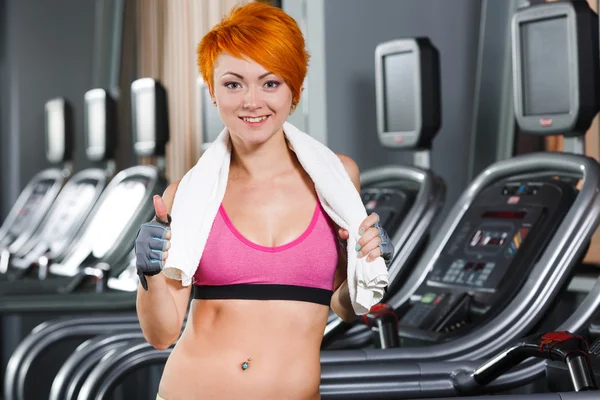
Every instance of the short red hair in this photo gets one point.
(262, 33)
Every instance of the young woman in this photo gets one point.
(241, 340)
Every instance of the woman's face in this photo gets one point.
(253, 103)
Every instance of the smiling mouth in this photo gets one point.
(254, 120)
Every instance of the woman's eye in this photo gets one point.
(272, 84)
(232, 85)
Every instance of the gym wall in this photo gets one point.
(341, 89)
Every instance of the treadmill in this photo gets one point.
(482, 287)
(37, 197)
(74, 203)
(108, 236)
(504, 254)
(407, 198)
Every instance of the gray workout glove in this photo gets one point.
(150, 243)
(386, 246)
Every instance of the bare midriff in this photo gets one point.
(281, 340)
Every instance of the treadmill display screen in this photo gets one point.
(145, 109)
(504, 215)
(32, 204)
(545, 65)
(96, 124)
(211, 121)
(55, 131)
(488, 238)
(399, 92)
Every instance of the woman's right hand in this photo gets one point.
(153, 242)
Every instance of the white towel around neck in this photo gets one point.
(202, 189)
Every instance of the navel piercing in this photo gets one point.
(246, 364)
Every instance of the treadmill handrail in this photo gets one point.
(78, 363)
(97, 376)
(532, 300)
(531, 370)
(121, 370)
(22, 350)
(429, 200)
(61, 335)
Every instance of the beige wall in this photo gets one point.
(168, 34)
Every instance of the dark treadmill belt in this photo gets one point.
(70, 302)
(33, 286)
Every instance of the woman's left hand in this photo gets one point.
(374, 241)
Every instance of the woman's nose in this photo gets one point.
(251, 99)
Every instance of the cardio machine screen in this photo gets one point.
(56, 135)
(96, 120)
(145, 118)
(399, 92)
(545, 65)
(489, 238)
(211, 121)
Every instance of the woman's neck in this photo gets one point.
(262, 162)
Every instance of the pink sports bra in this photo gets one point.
(232, 267)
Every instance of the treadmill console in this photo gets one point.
(487, 258)
(389, 202)
(483, 248)
(78, 199)
(27, 211)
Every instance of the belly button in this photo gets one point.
(246, 364)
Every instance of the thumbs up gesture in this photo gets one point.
(160, 210)
(152, 243)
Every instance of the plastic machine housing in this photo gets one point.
(407, 88)
(565, 68)
(100, 125)
(150, 119)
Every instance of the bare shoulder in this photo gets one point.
(351, 168)
(169, 194)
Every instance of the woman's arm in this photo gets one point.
(161, 309)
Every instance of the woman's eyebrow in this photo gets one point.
(241, 77)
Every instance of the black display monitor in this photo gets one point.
(555, 68)
(407, 86)
(209, 120)
(100, 125)
(58, 124)
(150, 117)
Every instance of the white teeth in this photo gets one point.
(254, 119)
